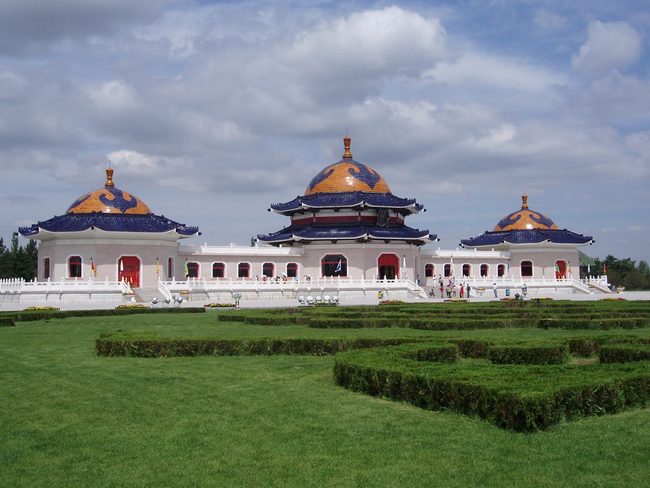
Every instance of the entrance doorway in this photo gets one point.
(560, 270)
(388, 266)
(129, 270)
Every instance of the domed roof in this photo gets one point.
(347, 175)
(109, 200)
(525, 219)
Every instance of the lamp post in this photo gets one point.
(237, 297)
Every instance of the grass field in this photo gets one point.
(71, 418)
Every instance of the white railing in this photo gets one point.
(539, 286)
(19, 285)
(330, 283)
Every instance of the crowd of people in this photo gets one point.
(451, 290)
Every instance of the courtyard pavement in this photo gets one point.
(283, 303)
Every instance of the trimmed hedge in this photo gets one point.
(529, 354)
(111, 344)
(7, 322)
(46, 315)
(624, 353)
(514, 397)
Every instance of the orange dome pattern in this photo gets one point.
(525, 219)
(346, 176)
(109, 200)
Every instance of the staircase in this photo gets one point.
(145, 295)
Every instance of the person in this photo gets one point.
(442, 287)
(417, 280)
(432, 293)
(494, 287)
(462, 290)
(448, 290)
(468, 289)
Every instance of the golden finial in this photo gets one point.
(109, 177)
(524, 202)
(346, 144)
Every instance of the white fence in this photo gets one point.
(73, 290)
(70, 290)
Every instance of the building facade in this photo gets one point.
(346, 236)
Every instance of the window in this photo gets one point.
(74, 267)
(292, 270)
(218, 270)
(429, 271)
(526, 269)
(243, 270)
(268, 269)
(484, 269)
(192, 270)
(334, 265)
(501, 270)
(467, 269)
(46, 268)
(170, 267)
(447, 270)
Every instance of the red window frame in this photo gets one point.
(244, 270)
(75, 267)
(218, 270)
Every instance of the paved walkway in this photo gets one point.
(283, 303)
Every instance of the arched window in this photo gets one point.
(501, 270)
(170, 267)
(74, 267)
(218, 270)
(46, 268)
(447, 270)
(334, 265)
(429, 270)
(484, 269)
(292, 270)
(526, 269)
(192, 269)
(268, 269)
(243, 270)
(467, 269)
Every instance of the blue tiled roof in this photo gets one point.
(109, 222)
(527, 236)
(347, 231)
(347, 200)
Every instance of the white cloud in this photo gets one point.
(610, 45)
(489, 70)
(547, 20)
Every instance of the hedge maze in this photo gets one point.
(586, 358)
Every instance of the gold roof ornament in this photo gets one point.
(346, 143)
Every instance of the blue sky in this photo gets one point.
(211, 111)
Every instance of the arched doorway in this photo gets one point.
(560, 270)
(388, 266)
(129, 270)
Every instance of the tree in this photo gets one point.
(19, 261)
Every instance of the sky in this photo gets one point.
(211, 111)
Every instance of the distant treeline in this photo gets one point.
(620, 272)
(18, 261)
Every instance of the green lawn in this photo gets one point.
(71, 418)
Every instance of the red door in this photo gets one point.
(129, 270)
(388, 266)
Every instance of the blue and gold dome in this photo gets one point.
(347, 201)
(109, 200)
(525, 227)
(347, 175)
(525, 219)
(108, 209)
